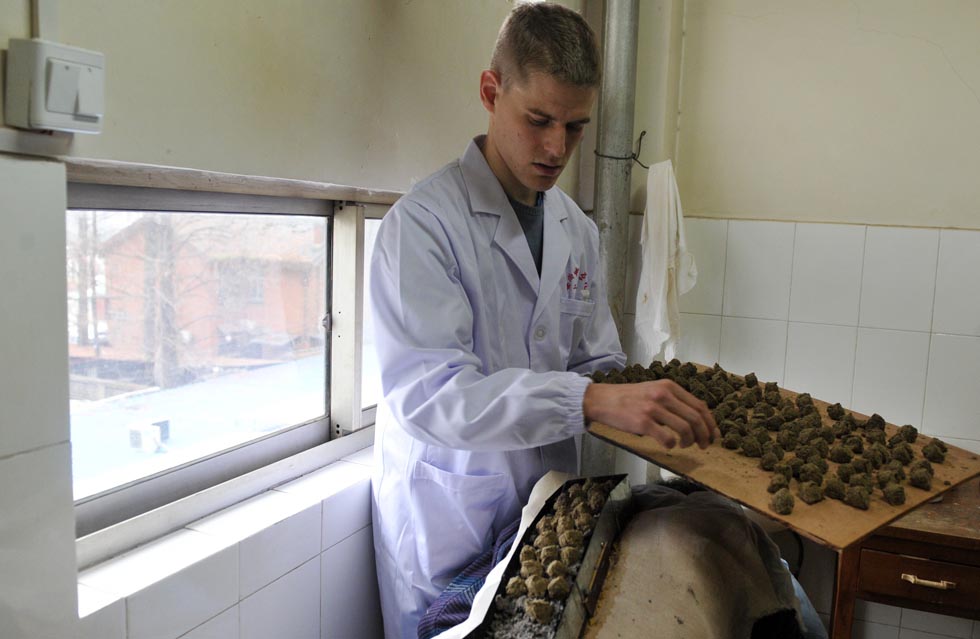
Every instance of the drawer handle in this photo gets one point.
(938, 585)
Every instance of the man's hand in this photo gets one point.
(661, 409)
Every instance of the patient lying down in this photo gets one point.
(692, 565)
(689, 564)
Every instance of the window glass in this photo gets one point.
(370, 377)
(189, 334)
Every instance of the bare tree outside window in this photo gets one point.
(189, 333)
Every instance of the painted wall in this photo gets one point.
(246, 87)
(657, 84)
(15, 22)
(365, 92)
(863, 112)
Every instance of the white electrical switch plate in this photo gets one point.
(54, 87)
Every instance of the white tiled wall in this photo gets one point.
(37, 552)
(898, 284)
(820, 359)
(954, 371)
(32, 259)
(288, 607)
(826, 286)
(35, 514)
(881, 319)
(343, 611)
(753, 345)
(296, 562)
(758, 264)
(957, 305)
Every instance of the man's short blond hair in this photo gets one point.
(546, 38)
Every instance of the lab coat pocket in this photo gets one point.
(573, 318)
(453, 516)
(583, 308)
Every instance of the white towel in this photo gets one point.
(667, 270)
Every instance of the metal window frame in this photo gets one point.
(128, 501)
(371, 212)
(347, 317)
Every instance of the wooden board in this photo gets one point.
(955, 518)
(829, 522)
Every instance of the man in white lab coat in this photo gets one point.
(490, 308)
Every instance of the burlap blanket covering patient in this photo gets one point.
(693, 565)
(688, 564)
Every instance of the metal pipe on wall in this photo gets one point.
(614, 147)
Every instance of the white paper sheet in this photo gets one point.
(544, 489)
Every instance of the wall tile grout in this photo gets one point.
(789, 301)
(932, 325)
(813, 323)
(721, 319)
(948, 334)
(319, 600)
(702, 216)
(925, 384)
(319, 561)
(212, 618)
(935, 281)
(857, 332)
(724, 280)
(761, 319)
(342, 540)
(33, 449)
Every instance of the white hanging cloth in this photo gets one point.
(667, 270)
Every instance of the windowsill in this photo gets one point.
(119, 577)
(115, 540)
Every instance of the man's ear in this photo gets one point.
(490, 87)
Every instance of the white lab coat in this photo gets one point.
(482, 367)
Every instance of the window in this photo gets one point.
(370, 375)
(197, 347)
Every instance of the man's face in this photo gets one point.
(535, 126)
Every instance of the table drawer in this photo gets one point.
(881, 573)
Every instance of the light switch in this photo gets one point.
(52, 86)
(91, 103)
(62, 86)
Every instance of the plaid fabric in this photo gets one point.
(453, 605)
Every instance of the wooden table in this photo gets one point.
(927, 560)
